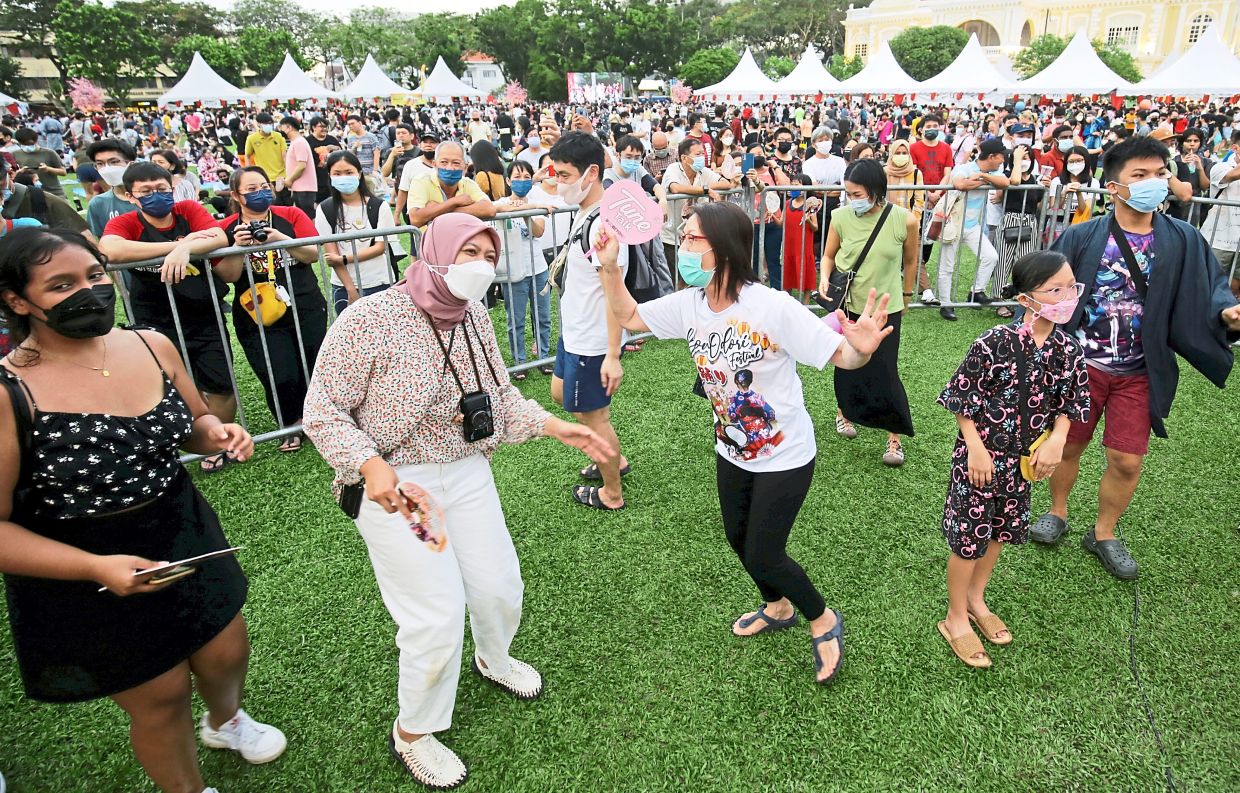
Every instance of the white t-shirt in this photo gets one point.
(583, 307)
(522, 254)
(375, 272)
(558, 225)
(824, 170)
(747, 356)
(532, 156)
(414, 169)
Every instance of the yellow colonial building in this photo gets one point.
(1151, 30)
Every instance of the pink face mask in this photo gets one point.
(1059, 313)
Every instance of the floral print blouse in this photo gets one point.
(381, 387)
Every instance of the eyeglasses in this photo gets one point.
(1061, 292)
(686, 237)
(147, 193)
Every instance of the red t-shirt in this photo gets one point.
(707, 144)
(129, 225)
(932, 161)
(1052, 159)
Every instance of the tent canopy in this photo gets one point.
(1208, 67)
(201, 83)
(442, 85)
(809, 77)
(6, 100)
(970, 73)
(292, 83)
(372, 83)
(882, 75)
(1077, 70)
(745, 82)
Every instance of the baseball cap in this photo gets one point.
(990, 148)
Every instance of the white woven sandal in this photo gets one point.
(522, 680)
(429, 761)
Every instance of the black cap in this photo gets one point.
(430, 134)
(990, 148)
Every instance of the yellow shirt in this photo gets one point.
(426, 190)
(267, 152)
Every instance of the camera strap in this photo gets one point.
(448, 360)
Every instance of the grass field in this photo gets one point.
(627, 616)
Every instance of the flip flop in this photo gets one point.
(588, 495)
(547, 370)
(772, 624)
(518, 376)
(292, 443)
(965, 647)
(215, 463)
(591, 472)
(835, 633)
(991, 626)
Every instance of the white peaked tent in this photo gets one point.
(746, 82)
(971, 73)
(292, 83)
(372, 83)
(1004, 67)
(202, 84)
(882, 75)
(1208, 68)
(1077, 70)
(809, 77)
(6, 100)
(442, 85)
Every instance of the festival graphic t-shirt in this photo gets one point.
(1110, 329)
(747, 356)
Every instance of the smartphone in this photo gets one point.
(746, 163)
(821, 301)
(172, 575)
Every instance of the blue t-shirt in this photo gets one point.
(1110, 329)
(974, 200)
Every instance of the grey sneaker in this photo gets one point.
(1114, 556)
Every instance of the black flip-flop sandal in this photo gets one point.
(1048, 529)
(213, 464)
(772, 624)
(835, 633)
(588, 495)
(518, 376)
(591, 472)
(547, 370)
(296, 441)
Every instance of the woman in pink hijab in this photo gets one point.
(410, 397)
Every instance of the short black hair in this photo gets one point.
(25, 136)
(729, 230)
(780, 131)
(353, 117)
(579, 150)
(316, 121)
(110, 144)
(1031, 271)
(870, 175)
(292, 121)
(694, 118)
(1193, 132)
(935, 117)
(406, 127)
(519, 165)
(392, 115)
(630, 142)
(1061, 129)
(264, 118)
(1138, 147)
(144, 172)
(686, 146)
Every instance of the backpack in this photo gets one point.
(647, 276)
(373, 205)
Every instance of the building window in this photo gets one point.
(986, 34)
(860, 50)
(1198, 26)
(488, 73)
(1125, 36)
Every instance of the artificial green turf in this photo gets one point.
(627, 616)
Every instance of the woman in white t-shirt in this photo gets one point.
(746, 340)
(360, 267)
(522, 271)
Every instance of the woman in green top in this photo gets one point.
(873, 395)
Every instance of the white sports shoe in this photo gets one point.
(428, 761)
(204, 790)
(3, 786)
(522, 680)
(257, 743)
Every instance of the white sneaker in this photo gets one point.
(522, 680)
(204, 790)
(3, 786)
(257, 743)
(928, 298)
(428, 761)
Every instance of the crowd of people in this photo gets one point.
(406, 392)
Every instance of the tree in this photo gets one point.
(85, 95)
(381, 32)
(707, 67)
(10, 72)
(778, 67)
(784, 27)
(263, 50)
(33, 22)
(506, 32)
(924, 52)
(447, 36)
(1043, 51)
(105, 45)
(224, 56)
(171, 21)
(842, 68)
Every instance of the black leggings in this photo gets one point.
(758, 512)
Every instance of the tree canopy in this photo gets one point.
(1043, 50)
(924, 52)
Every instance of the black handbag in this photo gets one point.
(1018, 235)
(840, 282)
(351, 499)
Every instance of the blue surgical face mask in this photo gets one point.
(449, 176)
(346, 185)
(861, 205)
(1147, 195)
(629, 166)
(699, 163)
(794, 193)
(259, 200)
(30, 149)
(157, 205)
(689, 264)
(522, 187)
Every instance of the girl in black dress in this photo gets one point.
(91, 491)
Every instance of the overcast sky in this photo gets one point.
(342, 7)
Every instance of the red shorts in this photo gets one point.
(1126, 401)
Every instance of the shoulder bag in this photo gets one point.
(840, 282)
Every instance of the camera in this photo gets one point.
(258, 229)
(479, 422)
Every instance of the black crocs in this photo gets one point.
(1114, 556)
(1048, 529)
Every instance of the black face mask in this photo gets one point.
(87, 313)
(784, 146)
(759, 162)
(429, 154)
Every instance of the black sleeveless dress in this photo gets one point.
(113, 485)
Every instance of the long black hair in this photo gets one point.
(1032, 270)
(23, 249)
(363, 187)
(729, 231)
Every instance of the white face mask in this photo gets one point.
(573, 193)
(469, 280)
(1075, 168)
(114, 175)
(823, 147)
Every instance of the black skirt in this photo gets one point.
(873, 396)
(75, 643)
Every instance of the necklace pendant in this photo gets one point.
(105, 372)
